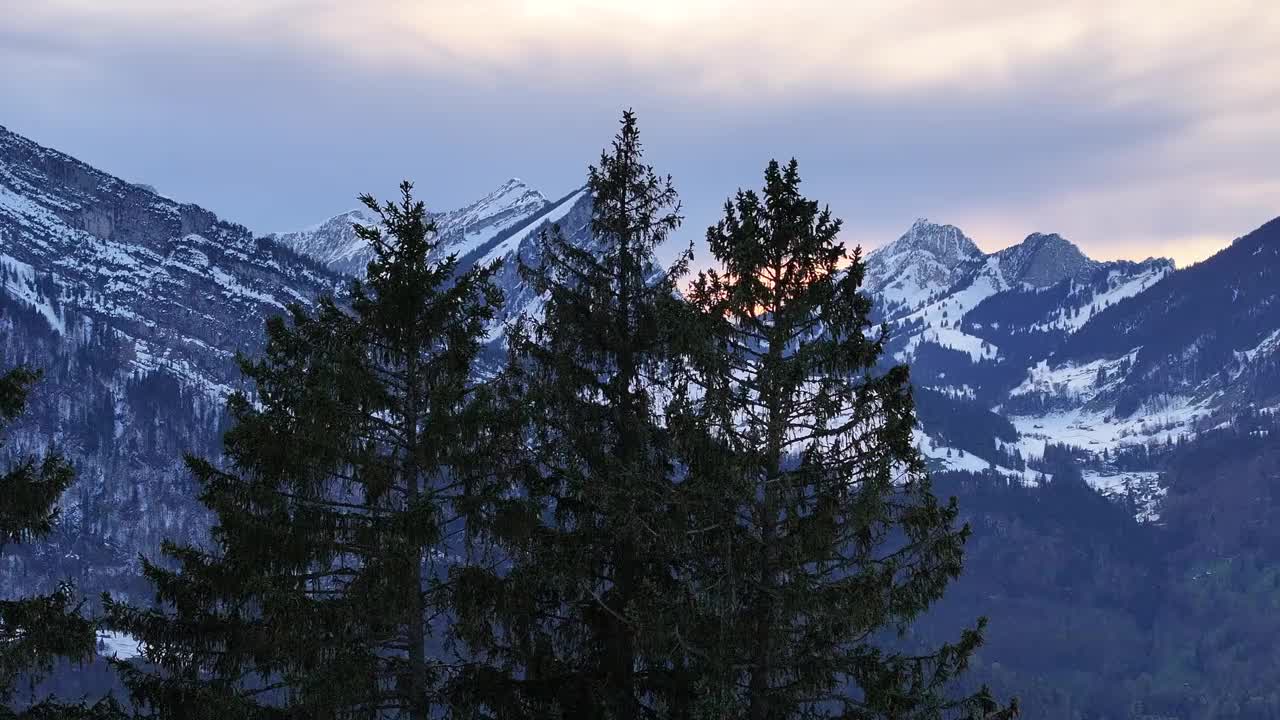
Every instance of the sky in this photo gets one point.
(1132, 128)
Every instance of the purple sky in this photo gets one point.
(1132, 128)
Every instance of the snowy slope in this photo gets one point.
(183, 288)
(501, 227)
(925, 261)
(939, 321)
(1120, 285)
(1067, 348)
(334, 243)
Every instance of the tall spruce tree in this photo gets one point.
(578, 622)
(822, 535)
(35, 632)
(334, 510)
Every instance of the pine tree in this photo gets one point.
(334, 509)
(824, 535)
(579, 622)
(36, 631)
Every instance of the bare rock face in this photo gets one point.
(96, 222)
(1042, 260)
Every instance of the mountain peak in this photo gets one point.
(1043, 259)
(925, 259)
(1049, 240)
(947, 243)
(462, 231)
(512, 192)
(512, 183)
(510, 198)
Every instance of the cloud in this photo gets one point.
(727, 49)
(1131, 128)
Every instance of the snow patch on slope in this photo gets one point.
(1269, 346)
(20, 282)
(1076, 381)
(113, 644)
(1162, 419)
(942, 458)
(976, 347)
(1143, 487)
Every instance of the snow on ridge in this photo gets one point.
(551, 216)
(513, 193)
(334, 243)
(330, 241)
(472, 240)
(480, 222)
(359, 215)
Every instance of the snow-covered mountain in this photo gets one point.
(927, 260)
(93, 253)
(936, 287)
(135, 306)
(503, 226)
(1106, 357)
(1184, 355)
(462, 231)
(982, 331)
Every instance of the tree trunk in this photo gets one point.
(775, 430)
(623, 670)
(418, 706)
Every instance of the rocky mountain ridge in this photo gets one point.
(182, 287)
(462, 231)
(134, 306)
